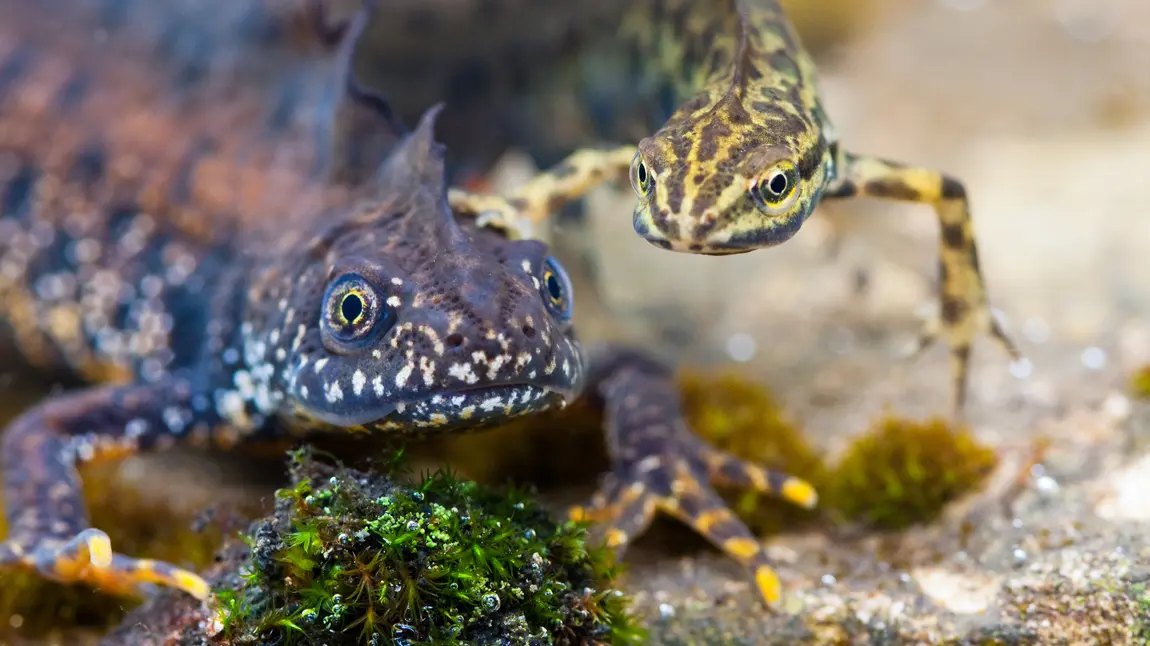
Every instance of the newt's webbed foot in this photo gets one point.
(505, 215)
(660, 465)
(87, 558)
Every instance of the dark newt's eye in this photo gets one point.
(354, 310)
(641, 179)
(776, 189)
(556, 288)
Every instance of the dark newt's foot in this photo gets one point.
(661, 465)
(88, 559)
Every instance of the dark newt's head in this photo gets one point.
(721, 178)
(401, 318)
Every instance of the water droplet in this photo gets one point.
(1094, 358)
(529, 534)
(343, 538)
(741, 347)
(491, 601)
(417, 496)
(412, 525)
(333, 481)
(666, 610)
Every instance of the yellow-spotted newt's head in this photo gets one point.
(744, 159)
(726, 179)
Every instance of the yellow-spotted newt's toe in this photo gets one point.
(660, 465)
(88, 559)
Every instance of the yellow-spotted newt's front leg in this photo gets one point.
(47, 522)
(963, 308)
(658, 464)
(517, 211)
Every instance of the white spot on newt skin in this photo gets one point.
(394, 301)
(526, 264)
(319, 365)
(376, 354)
(303, 391)
(491, 403)
(403, 375)
(377, 384)
(397, 282)
(427, 369)
(494, 366)
(358, 381)
(334, 392)
(462, 372)
(521, 360)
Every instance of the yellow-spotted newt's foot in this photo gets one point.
(88, 559)
(492, 211)
(660, 465)
(516, 212)
(964, 311)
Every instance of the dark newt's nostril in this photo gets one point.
(454, 340)
(528, 331)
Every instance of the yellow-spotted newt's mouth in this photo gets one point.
(451, 409)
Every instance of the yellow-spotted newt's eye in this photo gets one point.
(641, 179)
(354, 309)
(556, 288)
(775, 190)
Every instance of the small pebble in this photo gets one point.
(829, 579)
(666, 610)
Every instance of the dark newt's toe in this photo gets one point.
(626, 503)
(729, 470)
(88, 558)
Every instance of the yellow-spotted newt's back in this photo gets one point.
(227, 251)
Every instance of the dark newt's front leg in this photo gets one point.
(47, 521)
(964, 311)
(659, 464)
(548, 191)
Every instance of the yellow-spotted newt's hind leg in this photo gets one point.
(658, 464)
(43, 498)
(963, 308)
(516, 212)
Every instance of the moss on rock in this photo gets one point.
(901, 472)
(352, 558)
(1140, 383)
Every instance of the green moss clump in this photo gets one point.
(741, 417)
(351, 558)
(902, 472)
(1140, 383)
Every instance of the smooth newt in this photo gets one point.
(176, 236)
(727, 144)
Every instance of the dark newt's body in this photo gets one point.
(174, 236)
(726, 140)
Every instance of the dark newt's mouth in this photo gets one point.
(466, 407)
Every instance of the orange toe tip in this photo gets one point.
(769, 585)
(800, 492)
(193, 584)
(100, 551)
